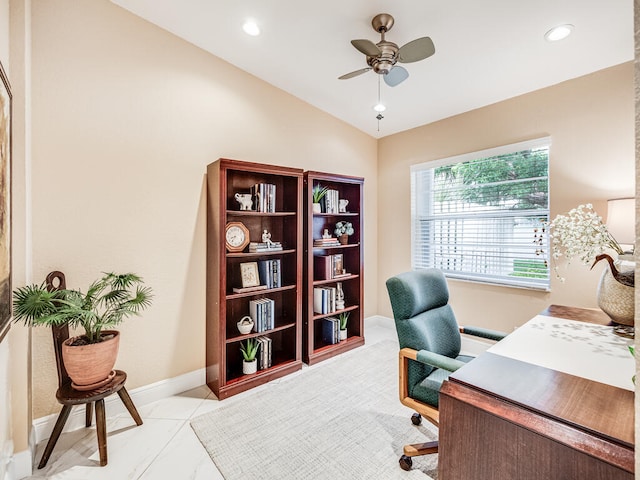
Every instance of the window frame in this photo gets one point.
(539, 284)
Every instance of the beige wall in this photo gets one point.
(126, 118)
(591, 124)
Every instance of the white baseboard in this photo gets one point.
(20, 466)
(378, 321)
(141, 396)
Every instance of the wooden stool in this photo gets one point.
(69, 397)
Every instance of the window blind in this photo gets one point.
(480, 216)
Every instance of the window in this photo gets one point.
(480, 216)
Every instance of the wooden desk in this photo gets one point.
(502, 418)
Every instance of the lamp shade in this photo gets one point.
(621, 220)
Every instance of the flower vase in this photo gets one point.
(343, 239)
(616, 299)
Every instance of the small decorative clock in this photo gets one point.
(236, 236)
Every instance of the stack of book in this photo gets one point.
(269, 271)
(330, 330)
(324, 299)
(326, 242)
(264, 352)
(255, 247)
(262, 312)
(331, 200)
(327, 267)
(264, 197)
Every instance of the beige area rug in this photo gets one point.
(338, 420)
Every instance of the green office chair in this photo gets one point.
(430, 343)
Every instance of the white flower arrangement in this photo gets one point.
(582, 234)
(343, 228)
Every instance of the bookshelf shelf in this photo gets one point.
(281, 194)
(240, 338)
(314, 345)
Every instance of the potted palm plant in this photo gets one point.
(88, 358)
(343, 318)
(249, 352)
(318, 192)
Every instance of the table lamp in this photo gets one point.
(621, 221)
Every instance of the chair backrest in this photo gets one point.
(423, 317)
(56, 281)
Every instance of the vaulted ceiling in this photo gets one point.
(485, 51)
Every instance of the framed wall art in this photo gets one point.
(5, 203)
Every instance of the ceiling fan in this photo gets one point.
(383, 56)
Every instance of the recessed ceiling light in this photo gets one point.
(558, 33)
(251, 28)
(379, 107)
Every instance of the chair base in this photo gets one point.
(415, 450)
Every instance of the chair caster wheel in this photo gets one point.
(416, 419)
(405, 463)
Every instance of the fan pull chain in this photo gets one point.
(379, 116)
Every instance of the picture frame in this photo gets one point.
(5, 202)
(249, 274)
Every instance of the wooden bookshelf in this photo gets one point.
(314, 348)
(225, 308)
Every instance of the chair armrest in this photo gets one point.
(438, 361)
(483, 333)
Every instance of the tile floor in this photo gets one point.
(164, 447)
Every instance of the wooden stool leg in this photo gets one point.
(57, 430)
(126, 399)
(101, 427)
(89, 414)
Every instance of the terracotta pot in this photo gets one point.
(615, 299)
(343, 239)
(91, 366)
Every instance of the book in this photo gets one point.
(324, 299)
(330, 330)
(264, 197)
(326, 242)
(249, 289)
(269, 273)
(264, 247)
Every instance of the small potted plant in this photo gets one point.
(343, 230)
(88, 358)
(318, 192)
(249, 351)
(343, 318)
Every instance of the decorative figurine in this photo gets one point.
(245, 200)
(326, 233)
(339, 296)
(266, 238)
(342, 205)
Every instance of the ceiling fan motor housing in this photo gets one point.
(384, 62)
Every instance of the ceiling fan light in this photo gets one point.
(251, 28)
(379, 107)
(558, 33)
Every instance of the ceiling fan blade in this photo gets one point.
(367, 47)
(354, 74)
(396, 76)
(415, 50)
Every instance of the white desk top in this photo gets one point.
(578, 348)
